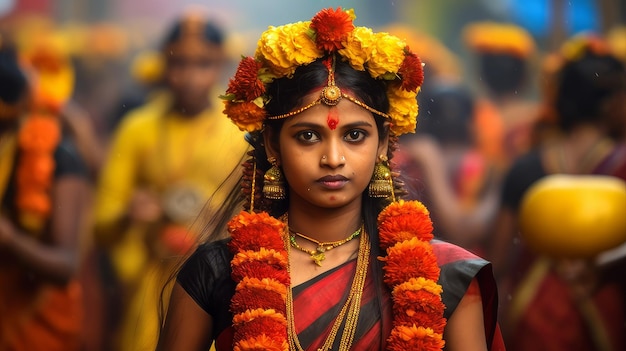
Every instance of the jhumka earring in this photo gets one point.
(273, 183)
(381, 184)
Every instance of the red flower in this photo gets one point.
(250, 299)
(411, 259)
(246, 115)
(419, 308)
(268, 326)
(245, 85)
(411, 71)
(260, 270)
(332, 27)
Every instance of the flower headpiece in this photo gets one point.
(497, 37)
(282, 49)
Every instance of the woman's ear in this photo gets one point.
(270, 142)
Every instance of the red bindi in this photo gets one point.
(333, 118)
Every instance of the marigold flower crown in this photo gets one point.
(281, 50)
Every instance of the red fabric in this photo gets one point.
(553, 321)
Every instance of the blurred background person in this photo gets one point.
(539, 307)
(503, 76)
(166, 158)
(449, 172)
(43, 187)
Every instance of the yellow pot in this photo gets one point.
(574, 216)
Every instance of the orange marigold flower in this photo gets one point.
(35, 170)
(263, 284)
(249, 315)
(268, 256)
(40, 134)
(245, 85)
(412, 258)
(260, 269)
(419, 283)
(257, 298)
(411, 71)
(33, 201)
(248, 116)
(261, 326)
(403, 220)
(261, 343)
(332, 28)
(251, 231)
(404, 338)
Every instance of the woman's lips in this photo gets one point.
(333, 182)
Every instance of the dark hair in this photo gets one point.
(583, 85)
(210, 32)
(446, 113)
(503, 73)
(13, 80)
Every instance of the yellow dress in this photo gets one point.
(166, 153)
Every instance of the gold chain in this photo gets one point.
(318, 255)
(350, 310)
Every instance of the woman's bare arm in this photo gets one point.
(465, 330)
(187, 326)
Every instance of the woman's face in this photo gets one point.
(329, 167)
(193, 68)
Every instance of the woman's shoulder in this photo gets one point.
(459, 267)
(448, 253)
(212, 257)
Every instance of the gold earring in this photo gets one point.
(273, 183)
(381, 184)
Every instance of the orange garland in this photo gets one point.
(259, 268)
(37, 139)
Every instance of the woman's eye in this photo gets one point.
(355, 135)
(307, 136)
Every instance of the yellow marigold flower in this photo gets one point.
(287, 47)
(403, 110)
(358, 47)
(419, 283)
(387, 55)
(249, 315)
(265, 284)
(261, 343)
(270, 256)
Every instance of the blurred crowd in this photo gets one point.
(110, 150)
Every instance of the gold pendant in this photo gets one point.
(318, 257)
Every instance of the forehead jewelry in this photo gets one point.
(330, 95)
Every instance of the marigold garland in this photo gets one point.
(259, 304)
(282, 49)
(260, 269)
(411, 271)
(37, 139)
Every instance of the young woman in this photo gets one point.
(325, 255)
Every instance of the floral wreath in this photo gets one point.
(258, 240)
(282, 49)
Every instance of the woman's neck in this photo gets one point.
(325, 224)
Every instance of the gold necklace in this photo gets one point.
(318, 255)
(350, 310)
